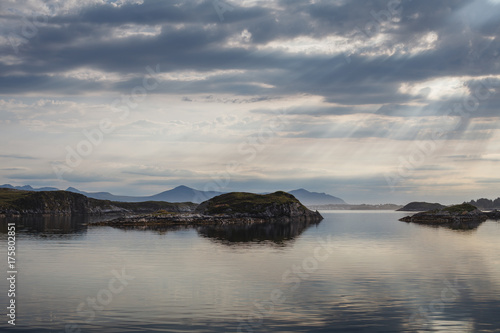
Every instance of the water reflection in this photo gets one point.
(44, 225)
(380, 274)
(158, 229)
(277, 232)
(49, 224)
(467, 226)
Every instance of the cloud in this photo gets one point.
(74, 177)
(15, 156)
(368, 75)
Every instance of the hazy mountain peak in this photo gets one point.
(315, 198)
(182, 188)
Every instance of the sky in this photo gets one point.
(370, 101)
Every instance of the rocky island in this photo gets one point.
(420, 207)
(229, 208)
(464, 216)
(248, 205)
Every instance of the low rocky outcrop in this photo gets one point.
(494, 214)
(421, 207)
(456, 216)
(173, 219)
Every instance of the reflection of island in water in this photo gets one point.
(50, 224)
(277, 232)
(469, 226)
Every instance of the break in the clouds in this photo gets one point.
(368, 100)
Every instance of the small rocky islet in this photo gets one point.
(457, 216)
(420, 206)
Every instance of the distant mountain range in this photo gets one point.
(29, 188)
(186, 194)
(179, 194)
(314, 198)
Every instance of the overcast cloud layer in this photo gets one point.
(371, 101)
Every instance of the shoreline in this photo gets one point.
(193, 219)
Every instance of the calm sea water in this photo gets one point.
(353, 272)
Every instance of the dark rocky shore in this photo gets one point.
(190, 219)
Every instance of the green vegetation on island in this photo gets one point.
(460, 209)
(8, 197)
